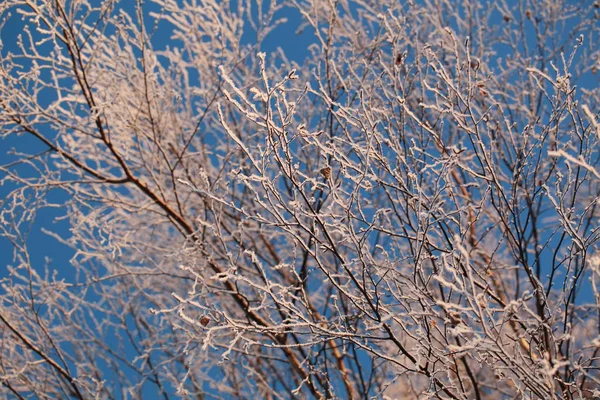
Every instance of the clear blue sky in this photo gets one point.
(45, 248)
(42, 245)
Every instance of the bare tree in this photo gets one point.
(409, 212)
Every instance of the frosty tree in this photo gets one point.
(411, 211)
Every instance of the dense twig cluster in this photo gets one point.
(409, 212)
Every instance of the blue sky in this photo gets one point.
(46, 250)
(45, 246)
(42, 245)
